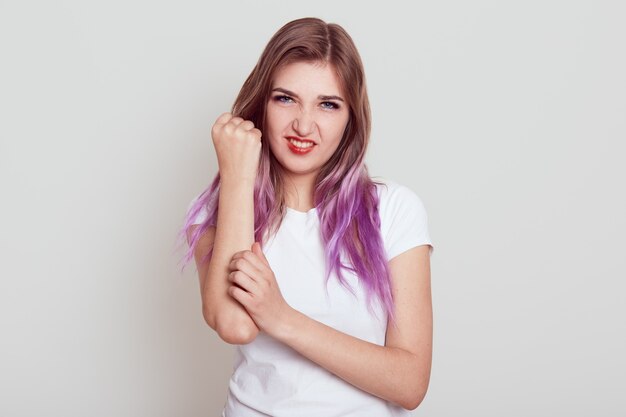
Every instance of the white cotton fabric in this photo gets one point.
(271, 379)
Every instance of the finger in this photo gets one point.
(238, 254)
(244, 281)
(241, 254)
(240, 295)
(256, 248)
(256, 259)
(235, 121)
(244, 265)
(223, 118)
(251, 257)
(246, 125)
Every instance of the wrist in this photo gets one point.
(237, 178)
(236, 182)
(286, 328)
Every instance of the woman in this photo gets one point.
(319, 274)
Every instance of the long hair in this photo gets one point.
(344, 194)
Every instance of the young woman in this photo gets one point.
(319, 275)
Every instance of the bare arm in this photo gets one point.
(398, 372)
(238, 146)
(234, 232)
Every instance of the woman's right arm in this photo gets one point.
(234, 232)
(238, 146)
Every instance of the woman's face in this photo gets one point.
(307, 103)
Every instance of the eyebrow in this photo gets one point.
(291, 93)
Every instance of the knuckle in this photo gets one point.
(223, 118)
(252, 135)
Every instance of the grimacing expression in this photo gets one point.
(306, 102)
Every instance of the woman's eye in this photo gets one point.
(282, 99)
(326, 104)
(331, 105)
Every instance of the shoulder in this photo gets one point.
(394, 196)
(403, 217)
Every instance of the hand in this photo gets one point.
(238, 147)
(255, 287)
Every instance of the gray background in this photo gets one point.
(506, 118)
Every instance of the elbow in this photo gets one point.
(209, 318)
(414, 398)
(416, 383)
(241, 333)
(413, 402)
(233, 331)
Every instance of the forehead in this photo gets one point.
(308, 78)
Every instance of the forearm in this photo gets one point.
(390, 373)
(234, 232)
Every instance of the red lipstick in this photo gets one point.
(297, 150)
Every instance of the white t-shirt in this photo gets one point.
(270, 378)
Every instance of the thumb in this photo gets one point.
(256, 248)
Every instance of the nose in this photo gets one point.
(303, 123)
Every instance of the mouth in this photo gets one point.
(300, 146)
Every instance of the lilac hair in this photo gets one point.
(345, 196)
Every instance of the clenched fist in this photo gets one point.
(238, 146)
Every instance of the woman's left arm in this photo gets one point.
(398, 372)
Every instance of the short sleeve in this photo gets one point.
(404, 221)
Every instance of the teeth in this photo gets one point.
(300, 144)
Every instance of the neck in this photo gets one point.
(299, 190)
